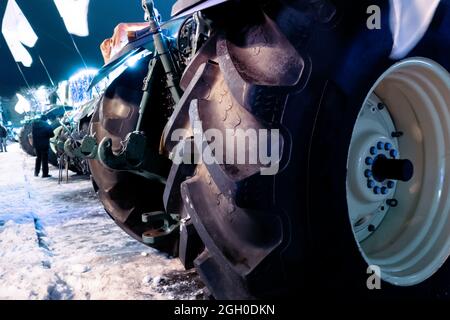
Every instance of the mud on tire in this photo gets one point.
(24, 139)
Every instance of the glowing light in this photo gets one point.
(82, 74)
(75, 16)
(23, 105)
(41, 95)
(133, 60)
(78, 87)
(18, 32)
(63, 92)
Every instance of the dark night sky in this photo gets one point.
(54, 44)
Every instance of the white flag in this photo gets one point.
(18, 32)
(410, 20)
(22, 105)
(75, 15)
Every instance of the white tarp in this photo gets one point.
(18, 32)
(410, 20)
(75, 15)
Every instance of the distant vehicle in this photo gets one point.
(25, 137)
(73, 127)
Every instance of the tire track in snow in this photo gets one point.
(41, 235)
(57, 289)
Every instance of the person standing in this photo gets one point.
(3, 138)
(42, 132)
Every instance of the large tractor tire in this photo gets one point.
(230, 205)
(26, 144)
(354, 124)
(25, 140)
(126, 196)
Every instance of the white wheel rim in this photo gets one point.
(411, 241)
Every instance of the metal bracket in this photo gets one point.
(87, 150)
(162, 50)
(89, 147)
(161, 225)
(135, 157)
(129, 158)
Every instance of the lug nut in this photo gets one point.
(397, 134)
(384, 190)
(392, 203)
(373, 151)
(368, 173)
(371, 228)
(380, 145)
(370, 184)
(388, 146)
(369, 161)
(377, 190)
(381, 106)
(394, 153)
(390, 184)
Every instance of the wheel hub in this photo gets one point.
(397, 172)
(392, 169)
(375, 146)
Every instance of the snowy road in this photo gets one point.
(56, 242)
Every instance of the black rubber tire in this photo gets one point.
(227, 86)
(126, 196)
(27, 147)
(272, 236)
(24, 139)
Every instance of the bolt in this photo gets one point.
(388, 146)
(390, 184)
(397, 134)
(369, 161)
(377, 190)
(373, 151)
(392, 202)
(371, 228)
(381, 106)
(380, 145)
(368, 173)
(394, 153)
(370, 184)
(384, 190)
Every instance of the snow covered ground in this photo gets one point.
(56, 242)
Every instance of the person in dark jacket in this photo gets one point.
(42, 132)
(3, 136)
